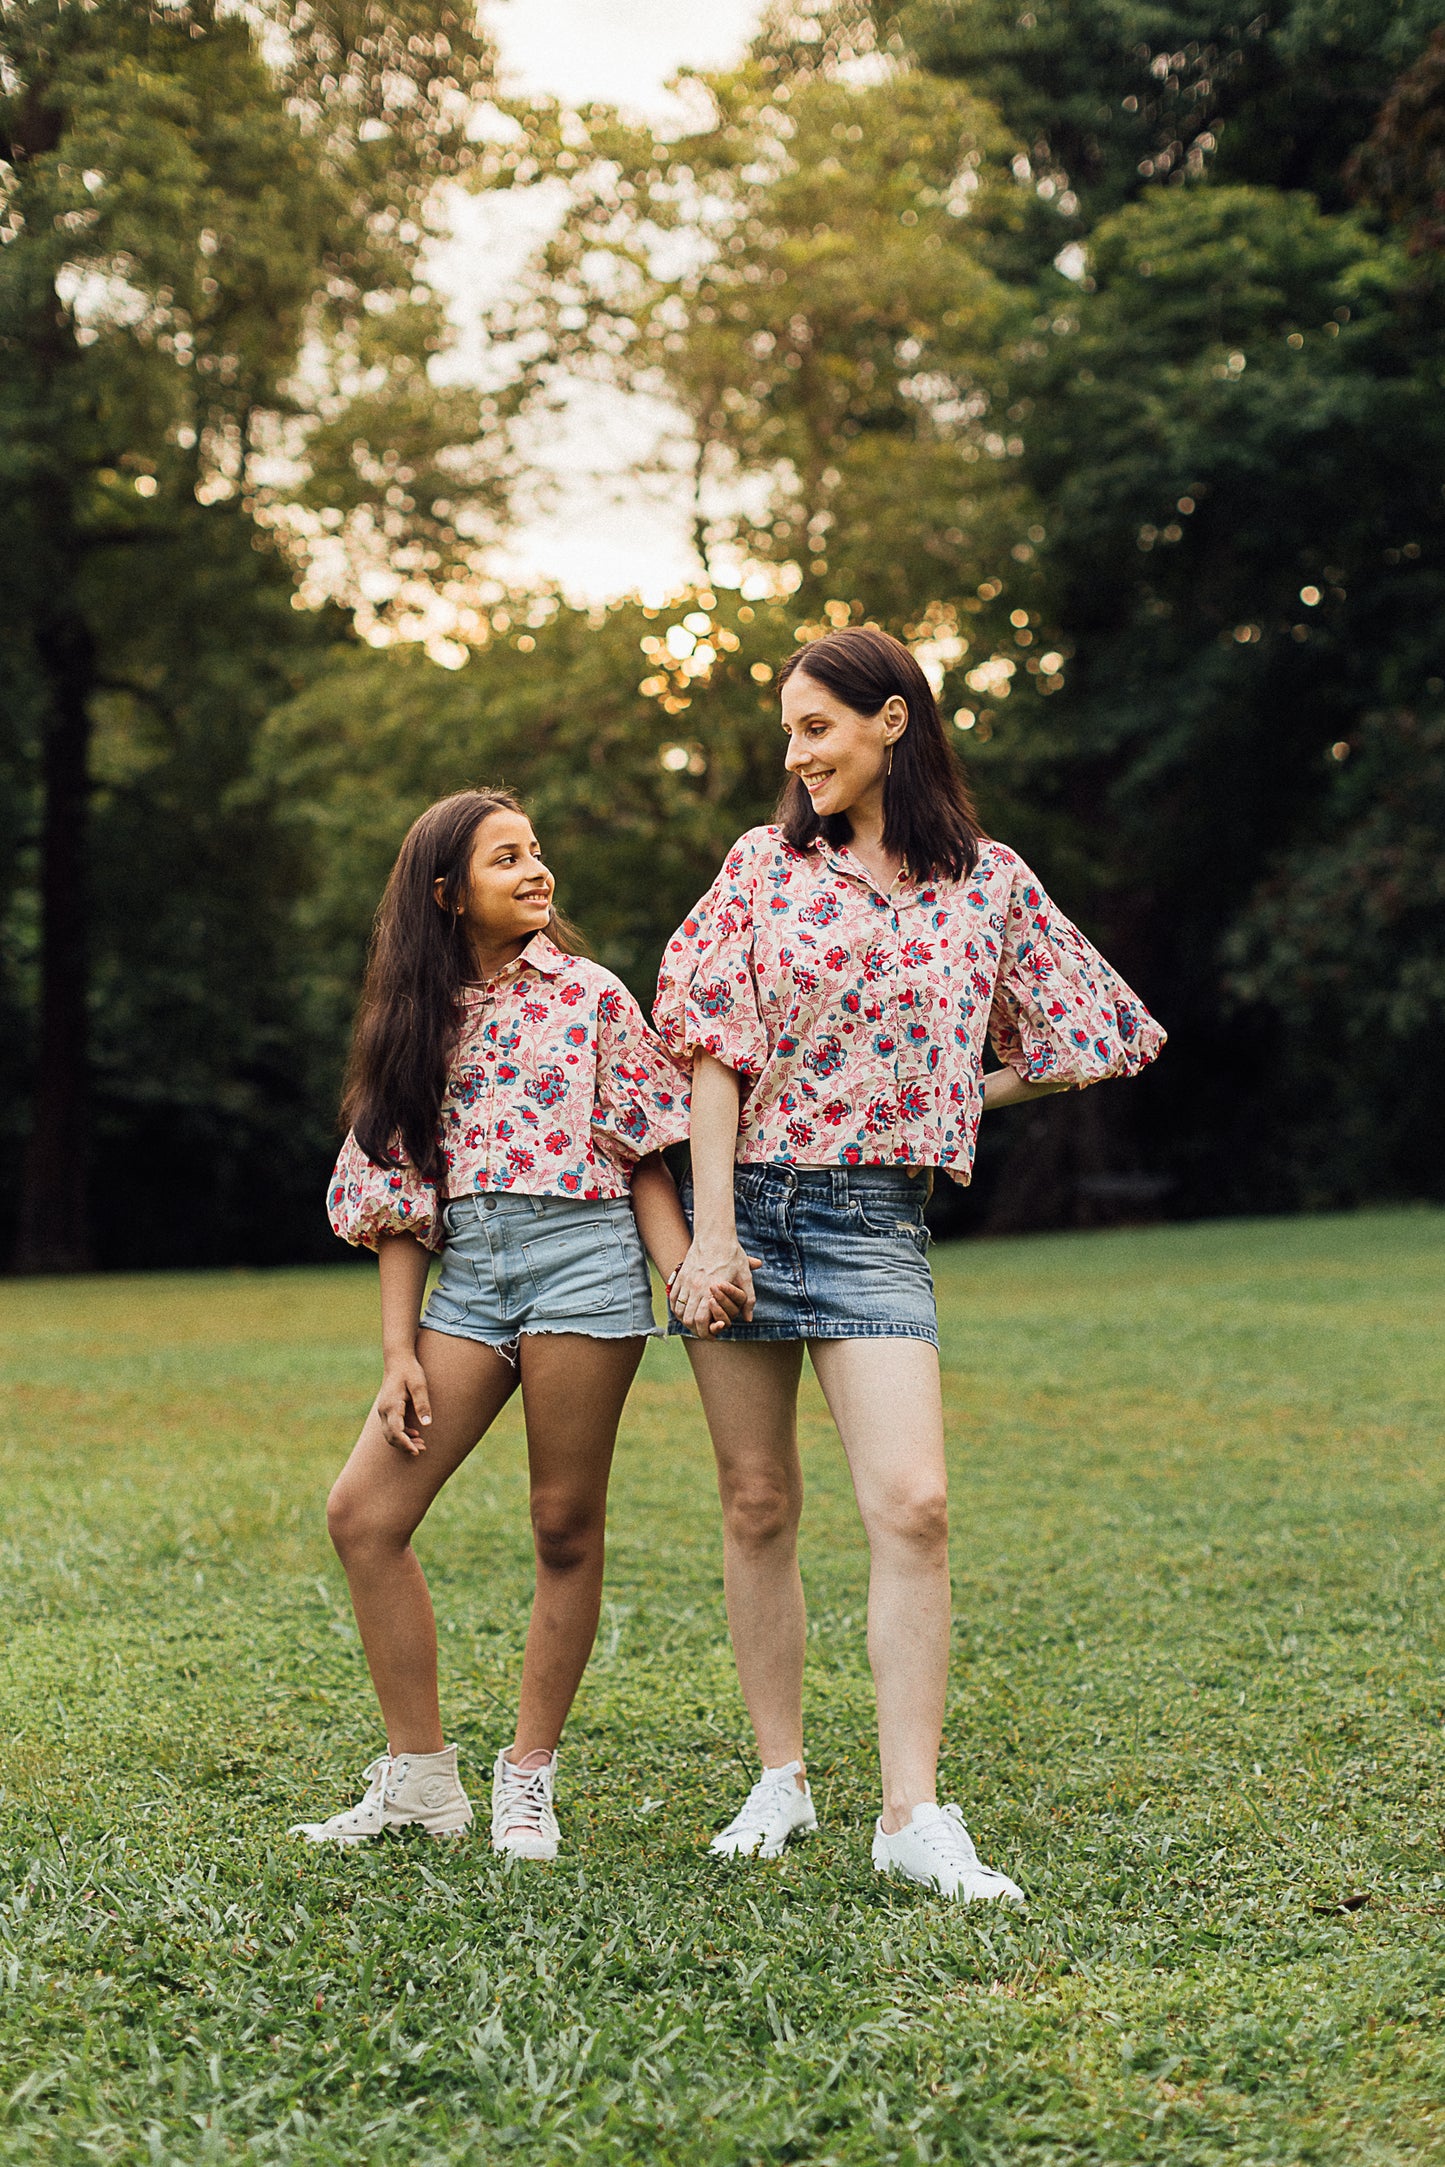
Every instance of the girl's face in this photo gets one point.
(509, 889)
(837, 754)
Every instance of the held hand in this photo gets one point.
(714, 1284)
(403, 1406)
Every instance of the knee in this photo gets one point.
(355, 1526)
(913, 1520)
(567, 1539)
(758, 1513)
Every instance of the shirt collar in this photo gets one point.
(841, 859)
(544, 956)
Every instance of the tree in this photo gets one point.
(1108, 98)
(800, 275)
(183, 218)
(642, 741)
(1232, 429)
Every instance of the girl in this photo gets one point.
(502, 1091)
(833, 989)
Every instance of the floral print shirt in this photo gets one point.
(858, 1018)
(557, 1088)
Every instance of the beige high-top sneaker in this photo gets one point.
(404, 1790)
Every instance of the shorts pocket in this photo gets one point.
(578, 1271)
(874, 1215)
(443, 1309)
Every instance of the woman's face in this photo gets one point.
(509, 889)
(839, 756)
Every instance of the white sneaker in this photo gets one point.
(774, 1810)
(523, 1822)
(936, 1849)
(406, 1790)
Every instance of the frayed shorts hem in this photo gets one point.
(510, 1349)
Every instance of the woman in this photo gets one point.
(833, 990)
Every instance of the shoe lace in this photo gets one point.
(525, 1795)
(760, 1808)
(377, 1778)
(949, 1840)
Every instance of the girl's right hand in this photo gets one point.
(721, 1268)
(403, 1405)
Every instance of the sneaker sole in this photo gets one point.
(373, 1835)
(765, 1850)
(537, 1851)
(889, 1867)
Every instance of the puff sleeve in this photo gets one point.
(642, 1100)
(1060, 1013)
(707, 995)
(366, 1201)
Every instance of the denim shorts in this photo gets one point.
(514, 1265)
(844, 1252)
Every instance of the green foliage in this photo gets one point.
(636, 795)
(829, 328)
(1114, 96)
(1196, 1710)
(214, 335)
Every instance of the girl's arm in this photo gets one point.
(403, 1404)
(715, 1261)
(1005, 1087)
(665, 1233)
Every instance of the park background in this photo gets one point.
(377, 415)
(374, 422)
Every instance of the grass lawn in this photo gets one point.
(1196, 1711)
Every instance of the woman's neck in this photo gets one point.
(865, 820)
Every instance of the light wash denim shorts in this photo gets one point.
(514, 1265)
(844, 1252)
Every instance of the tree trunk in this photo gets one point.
(54, 1226)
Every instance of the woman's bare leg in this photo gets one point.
(750, 1398)
(573, 1390)
(376, 1505)
(885, 1397)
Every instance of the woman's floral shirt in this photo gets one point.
(859, 1017)
(557, 1088)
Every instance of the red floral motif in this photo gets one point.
(578, 1046)
(892, 1003)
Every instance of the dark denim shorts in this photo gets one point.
(844, 1252)
(518, 1264)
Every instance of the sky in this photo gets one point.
(606, 528)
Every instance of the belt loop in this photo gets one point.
(840, 1187)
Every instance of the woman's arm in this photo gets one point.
(665, 1233)
(715, 1262)
(1005, 1087)
(404, 1261)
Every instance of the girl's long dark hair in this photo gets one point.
(419, 961)
(928, 812)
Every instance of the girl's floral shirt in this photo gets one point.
(858, 1018)
(557, 1088)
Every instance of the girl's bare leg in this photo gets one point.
(750, 1398)
(377, 1503)
(573, 1389)
(885, 1397)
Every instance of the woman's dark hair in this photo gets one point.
(928, 813)
(411, 1007)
